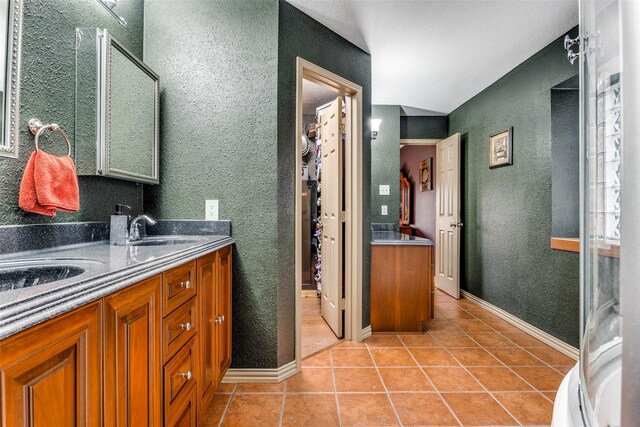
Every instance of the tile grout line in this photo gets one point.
(481, 385)
(375, 365)
(226, 409)
(335, 387)
(545, 364)
(431, 382)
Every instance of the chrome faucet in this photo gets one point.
(134, 228)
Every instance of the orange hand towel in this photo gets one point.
(49, 183)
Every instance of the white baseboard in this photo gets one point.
(539, 334)
(260, 375)
(365, 333)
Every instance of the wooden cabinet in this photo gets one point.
(214, 279)
(207, 273)
(401, 297)
(132, 355)
(151, 354)
(223, 305)
(51, 373)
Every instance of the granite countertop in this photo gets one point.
(395, 238)
(107, 270)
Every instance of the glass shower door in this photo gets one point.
(601, 180)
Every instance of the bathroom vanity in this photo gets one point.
(141, 337)
(402, 292)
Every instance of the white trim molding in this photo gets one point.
(419, 141)
(365, 333)
(261, 376)
(539, 334)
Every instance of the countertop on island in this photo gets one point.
(395, 238)
(107, 269)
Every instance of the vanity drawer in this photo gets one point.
(179, 379)
(178, 327)
(184, 412)
(179, 286)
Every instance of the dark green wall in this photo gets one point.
(299, 35)
(423, 127)
(565, 155)
(217, 63)
(507, 259)
(385, 164)
(47, 91)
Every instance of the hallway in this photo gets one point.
(471, 368)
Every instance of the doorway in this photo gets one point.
(328, 210)
(433, 167)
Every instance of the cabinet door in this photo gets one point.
(51, 373)
(223, 303)
(207, 278)
(132, 351)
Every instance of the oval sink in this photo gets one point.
(27, 276)
(161, 242)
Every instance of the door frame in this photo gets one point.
(352, 256)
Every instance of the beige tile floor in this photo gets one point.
(470, 369)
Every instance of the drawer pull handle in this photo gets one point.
(186, 284)
(186, 376)
(185, 326)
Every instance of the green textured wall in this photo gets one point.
(47, 91)
(507, 259)
(423, 127)
(217, 63)
(385, 164)
(299, 35)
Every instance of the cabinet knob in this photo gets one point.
(218, 320)
(221, 319)
(186, 284)
(185, 326)
(186, 375)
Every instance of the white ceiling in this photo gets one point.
(430, 56)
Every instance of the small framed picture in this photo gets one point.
(426, 183)
(501, 148)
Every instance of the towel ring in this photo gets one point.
(37, 128)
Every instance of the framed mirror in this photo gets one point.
(117, 110)
(130, 108)
(405, 200)
(10, 43)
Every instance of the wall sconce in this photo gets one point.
(375, 127)
(110, 5)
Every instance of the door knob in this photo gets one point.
(185, 326)
(187, 376)
(218, 320)
(455, 224)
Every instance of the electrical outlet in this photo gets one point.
(384, 190)
(384, 209)
(211, 210)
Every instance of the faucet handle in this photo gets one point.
(120, 208)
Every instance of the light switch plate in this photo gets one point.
(384, 209)
(384, 190)
(211, 210)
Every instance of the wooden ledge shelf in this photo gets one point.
(567, 244)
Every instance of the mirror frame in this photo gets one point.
(108, 42)
(9, 145)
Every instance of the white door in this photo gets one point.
(331, 210)
(448, 215)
